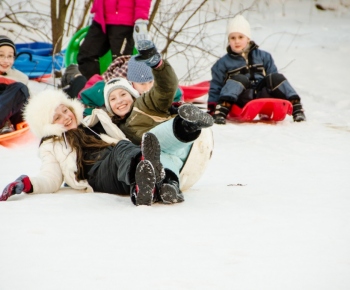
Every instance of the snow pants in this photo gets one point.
(239, 89)
(12, 99)
(97, 43)
(115, 173)
(174, 152)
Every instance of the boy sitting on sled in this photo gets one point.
(246, 73)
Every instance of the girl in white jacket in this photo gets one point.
(73, 153)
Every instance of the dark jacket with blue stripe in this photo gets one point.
(259, 64)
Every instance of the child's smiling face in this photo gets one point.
(238, 42)
(64, 116)
(7, 58)
(121, 102)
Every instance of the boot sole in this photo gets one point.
(193, 114)
(151, 151)
(145, 181)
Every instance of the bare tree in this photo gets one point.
(182, 29)
(48, 21)
(186, 29)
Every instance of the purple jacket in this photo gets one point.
(120, 12)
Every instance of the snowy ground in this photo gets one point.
(270, 212)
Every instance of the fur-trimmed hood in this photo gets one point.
(41, 108)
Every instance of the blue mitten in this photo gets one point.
(21, 184)
(148, 53)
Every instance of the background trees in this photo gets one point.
(182, 29)
(179, 28)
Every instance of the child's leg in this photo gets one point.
(278, 87)
(235, 86)
(169, 143)
(115, 173)
(95, 45)
(12, 99)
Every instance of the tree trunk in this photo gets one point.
(57, 22)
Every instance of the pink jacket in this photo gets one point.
(120, 12)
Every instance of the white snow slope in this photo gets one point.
(271, 211)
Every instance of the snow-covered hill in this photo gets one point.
(270, 212)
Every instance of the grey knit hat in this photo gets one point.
(139, 72)
(4, 40)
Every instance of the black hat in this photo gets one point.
(4, 40)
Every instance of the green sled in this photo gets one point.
(73, 49)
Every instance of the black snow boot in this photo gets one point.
(194, 119)
(221, 111)
(169, 191)
(298, 111)
(72, 81)
(150, 149)
(145, 183)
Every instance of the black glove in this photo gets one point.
(148, 53)
(21, 184)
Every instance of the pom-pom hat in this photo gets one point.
(239, 24)
(118, 83)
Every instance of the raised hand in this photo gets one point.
(140, 30)
(148, 53)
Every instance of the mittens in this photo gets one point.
(148, 53)
(21, 184)
(140, 30)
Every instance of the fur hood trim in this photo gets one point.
(41, 108)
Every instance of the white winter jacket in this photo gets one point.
(59, 161)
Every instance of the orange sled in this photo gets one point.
(21, 129)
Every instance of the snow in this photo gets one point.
(270, 212)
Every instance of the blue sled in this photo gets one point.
(36, 60)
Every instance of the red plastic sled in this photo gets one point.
(21, 129)
(271, 109)
(195, 91)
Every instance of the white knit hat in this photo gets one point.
(118, 83)
(239, 24)
(41, 108)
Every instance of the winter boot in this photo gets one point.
(221, 111)
(145, 183)
(72, 81)
(194, 119)
(7, 128)
(70, 74)
(170, 192)
(150, 149)
(298, 112)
